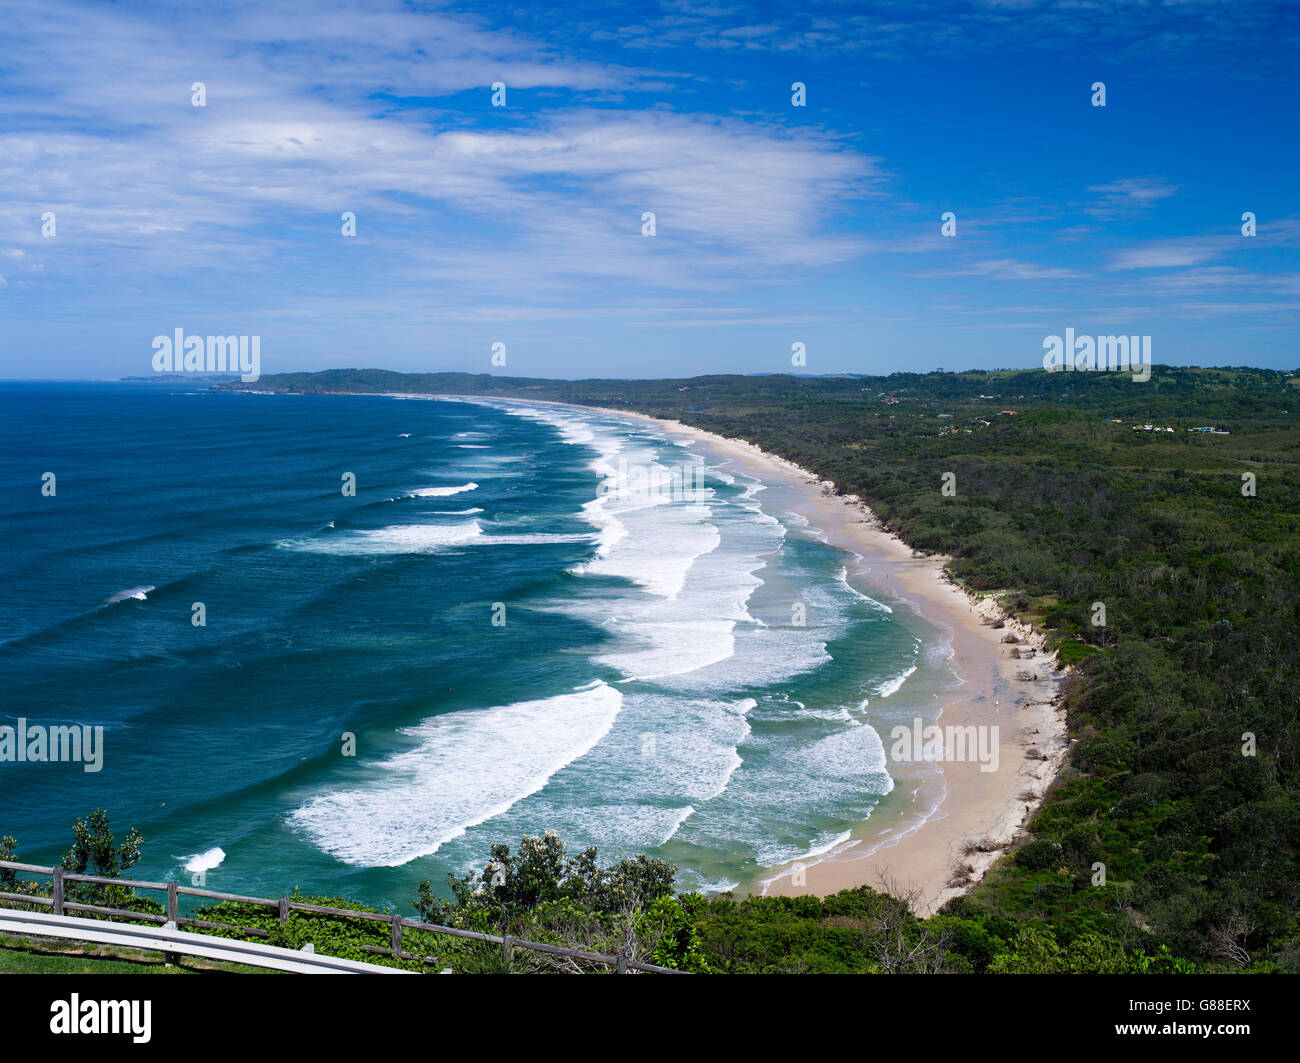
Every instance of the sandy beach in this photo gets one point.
(940, 830)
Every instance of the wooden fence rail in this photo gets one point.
(59, 905)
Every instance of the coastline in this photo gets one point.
(955, 822)
(945, 823)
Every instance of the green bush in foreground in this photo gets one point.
(543, 894)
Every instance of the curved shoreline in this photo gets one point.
(956, 820)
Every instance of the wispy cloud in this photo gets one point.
(133, 171)
(1185, 251)
(1009, 269)
(1128, 195)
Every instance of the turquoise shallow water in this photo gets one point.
(530, 618)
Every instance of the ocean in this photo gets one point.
(524, 618)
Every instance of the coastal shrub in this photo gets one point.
(512, 885)
(1039, 854)
(541, 893)
(1050, 893)
(1033, 951)
(95, 851)
(8, 876)
(1094, 954)
(1081, 843)
(1165, 962)
(790, 935)
(969, 939)
(671, 922)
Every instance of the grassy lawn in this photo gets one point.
(33, 956)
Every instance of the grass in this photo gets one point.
(21, 955)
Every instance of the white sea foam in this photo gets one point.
(466, 768)
(840, 771)
(532, 538)
(662, 759)
(685, 814)
(204, 861)
(826, 846)
(699, 560)
(657, 651)
(892, 685)
(761, 657)
(140, 594)
(660, 555)
(426, 538)
(843, 577)
(711, 886)
(696, 577)
(394, 539)
(441, 492)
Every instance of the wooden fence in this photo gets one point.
(57, 902)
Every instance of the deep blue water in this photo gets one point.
(644, 686)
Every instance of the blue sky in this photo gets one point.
(521, 224)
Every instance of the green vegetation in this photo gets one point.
(96, 852)
(1196, 822)
(541, 894)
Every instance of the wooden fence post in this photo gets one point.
(397, 937)
(284, 909)
(622, 965)
(173, 917)
(508, 950)
(58, 890)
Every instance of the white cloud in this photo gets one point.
(1007, 269)
(1129, 195)
(521, 203)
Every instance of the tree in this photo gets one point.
(900, 942)
(8, 877)
(512, 886)
(96, 852)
